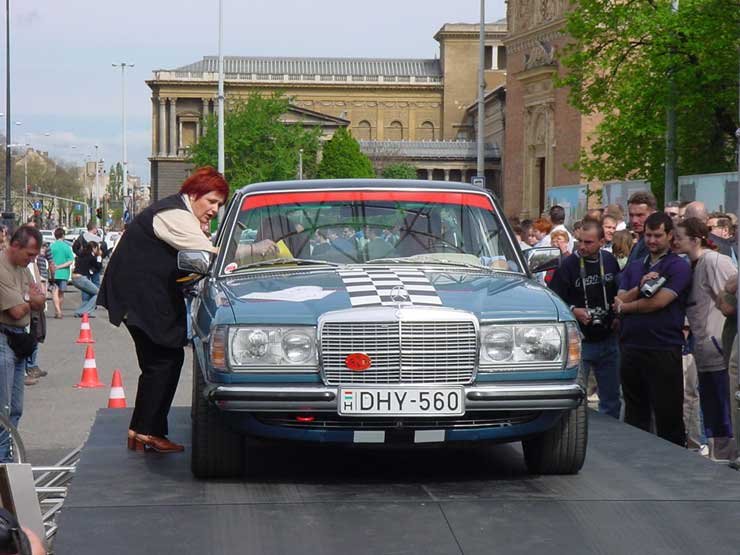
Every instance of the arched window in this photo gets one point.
(395, 131)
(426, 131)
(364, 131)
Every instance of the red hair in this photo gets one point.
(203, 181)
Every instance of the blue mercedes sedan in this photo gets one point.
(378, 312)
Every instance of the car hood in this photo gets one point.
(302, 296)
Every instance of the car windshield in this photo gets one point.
(366, 227)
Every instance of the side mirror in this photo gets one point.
(541, 259)
(194, 262)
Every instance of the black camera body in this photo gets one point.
(598, 316)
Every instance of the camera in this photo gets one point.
(598, 316)
(652, 286)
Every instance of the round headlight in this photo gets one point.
(499, 344)
(298, 347)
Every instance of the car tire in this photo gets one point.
(562, 448)
(217, 451)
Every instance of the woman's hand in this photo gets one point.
(265, 248)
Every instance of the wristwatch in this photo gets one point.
(27, 297)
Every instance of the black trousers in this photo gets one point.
(652, 384)
(160, 371)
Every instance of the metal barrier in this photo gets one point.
(51, 489)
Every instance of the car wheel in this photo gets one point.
(217, 451)
(562, 448)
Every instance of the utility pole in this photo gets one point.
(669, 184)
(300, 163)
(481, 90)
(221, 154)
(95, 186)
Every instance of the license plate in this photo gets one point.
(393, 401)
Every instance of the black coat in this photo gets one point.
(140, 283)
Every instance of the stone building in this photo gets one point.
(544, 134)
(416, 110)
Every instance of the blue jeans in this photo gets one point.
(85, 285)
(12, 374)
(31, 360)
(603, 358)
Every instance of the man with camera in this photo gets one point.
(652, 305)
(586, 280)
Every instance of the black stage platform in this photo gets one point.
(636, 494)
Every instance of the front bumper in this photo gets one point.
(292, 398)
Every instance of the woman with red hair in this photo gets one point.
(140, 288)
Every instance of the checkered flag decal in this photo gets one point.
(373, 286)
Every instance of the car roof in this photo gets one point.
(315, 184)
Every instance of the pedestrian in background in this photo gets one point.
(711, 272)
(640, 205)
(622, 243)
(652, 304)
(149, 249)
(672, 209)
(87, 263)
(615, 211)
(19, 295)
(557, 218)
(63, 258)
(587, 282)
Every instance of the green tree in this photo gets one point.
(620, 64)
(115, 182)
(399, 171)
(342, 158)
(258, 146)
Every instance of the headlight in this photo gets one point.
(512, 344)
(272, 346)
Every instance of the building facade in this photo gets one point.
(544, 135)
(383, 102)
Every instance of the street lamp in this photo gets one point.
(124, 162)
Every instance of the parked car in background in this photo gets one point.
(374, 312)
(47, 235)
(74, 233)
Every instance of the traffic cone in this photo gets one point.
(85, 330)
(117, 398)
(89, 371)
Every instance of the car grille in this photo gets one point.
(401, 352)
(473, 419)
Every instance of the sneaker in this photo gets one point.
(36, 372)
(30, 381)
(704, 450)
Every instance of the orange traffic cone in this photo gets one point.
(117, 398)
(89, 371)
(85, 330)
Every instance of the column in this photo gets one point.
(430, 174)
(179, 129)
(206, 113)
(447, 174)
(162, 126)
(494, 57)
(173, 127)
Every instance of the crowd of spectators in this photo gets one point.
(655, 298)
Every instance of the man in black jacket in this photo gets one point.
(586, 281)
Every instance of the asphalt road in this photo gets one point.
(57, 417)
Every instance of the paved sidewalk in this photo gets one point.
(57, 417)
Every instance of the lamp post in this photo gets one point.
(481, 88)
(8, 215)
(124, 162)
(300, 163)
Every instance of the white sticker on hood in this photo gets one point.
(292, 294)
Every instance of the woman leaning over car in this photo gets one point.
(140, 288)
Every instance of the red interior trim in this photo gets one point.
(458, 198)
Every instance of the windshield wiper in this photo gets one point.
(414, 260)
(281, 261)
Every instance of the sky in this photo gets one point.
(67, 96)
